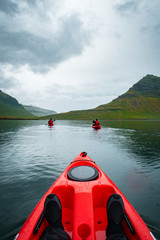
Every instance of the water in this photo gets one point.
(33, 155)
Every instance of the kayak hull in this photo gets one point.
(96, 127)
(84, 204)
(50, 124)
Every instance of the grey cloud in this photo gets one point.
(127, 7)
(8, 7)
(59, 90)
(40, 52)
(31, 2)
(156, 29)
(153, 28)
(13, 6)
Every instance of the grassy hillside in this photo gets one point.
(10, 108)
(142, 101)
(38, 112)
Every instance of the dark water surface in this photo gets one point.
(33, 155)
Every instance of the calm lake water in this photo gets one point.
(33, 155)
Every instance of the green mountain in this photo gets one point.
(10, 108)
(141, 101)
(39, 112)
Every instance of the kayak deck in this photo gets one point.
(84, 204)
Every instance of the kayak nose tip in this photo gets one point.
(83, 154)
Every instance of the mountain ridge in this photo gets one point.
(11, 108)
(141, 101)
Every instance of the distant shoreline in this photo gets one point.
(18, 118)
(14, 118)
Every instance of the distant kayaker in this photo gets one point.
(96, 122)
(50, 121)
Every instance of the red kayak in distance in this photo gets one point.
(83, 190)
(50, 124)
(96, 126)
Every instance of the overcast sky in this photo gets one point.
(76, 54)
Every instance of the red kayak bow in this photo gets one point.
(84, 189)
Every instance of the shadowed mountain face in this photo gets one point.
(6, 99)
(141, 101)
(9, 107)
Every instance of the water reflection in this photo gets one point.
(15, 125)
(141, 138)
(140, 125)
